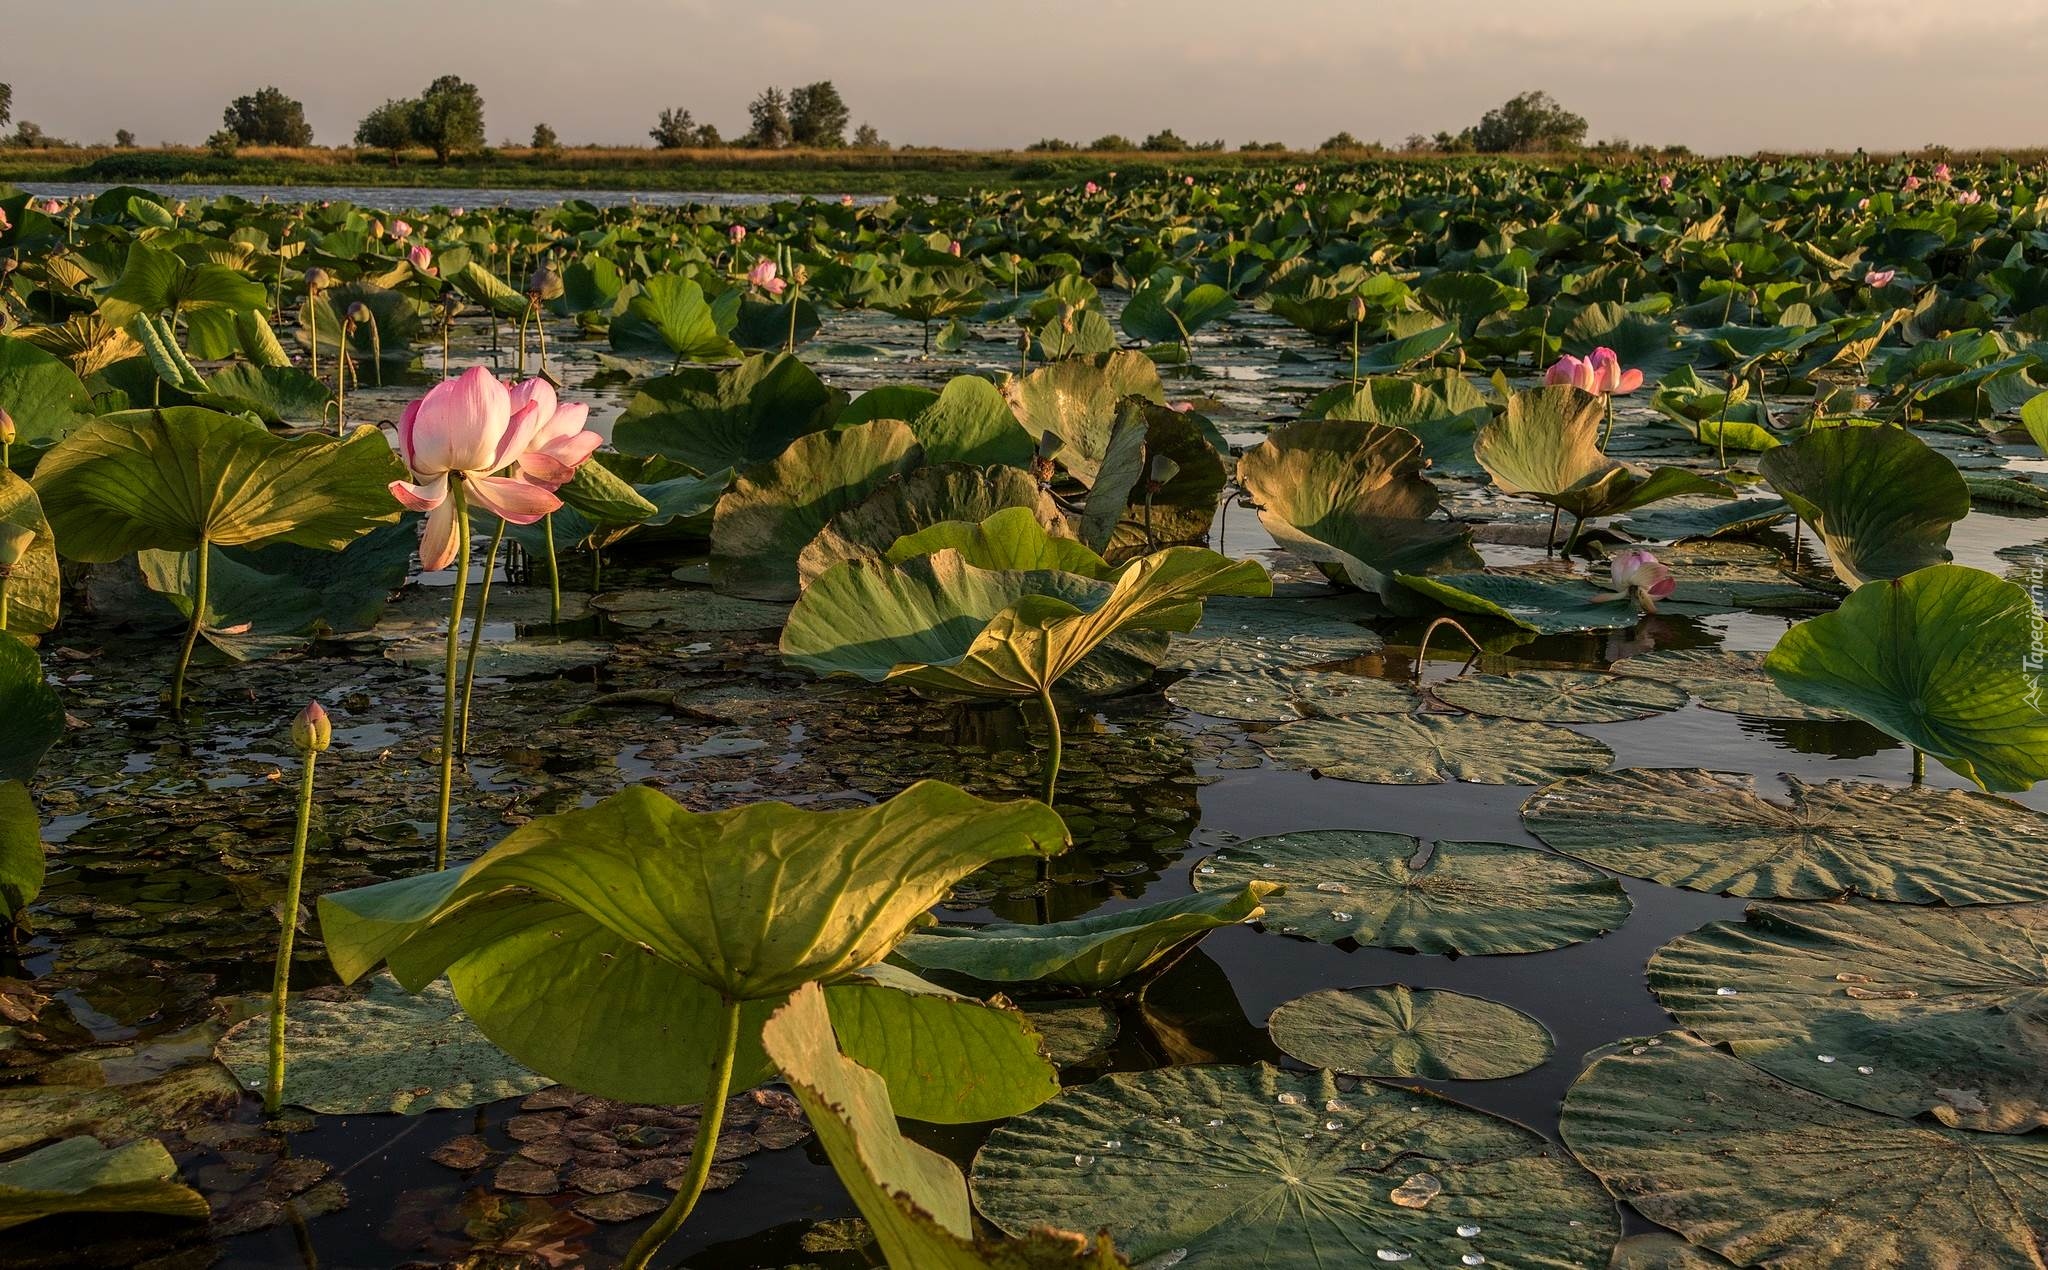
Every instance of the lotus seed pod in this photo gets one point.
(359, 313)
(318, 280)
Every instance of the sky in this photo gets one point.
(1716, 75)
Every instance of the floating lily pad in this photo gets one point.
(1732, 518)
(689, 610)
(1240, 633)
(1075, 1033)
(1426, 749)
(1401, 1031)
(1906, 1011)
(1463, 897)
(1551, 604)
(385, 1050)
(1766, 1173)
(78, 1175)
(1663, 1251)
(1285, 693)
(1090, 952)
(1730, 682)
(1712, 831)
(1283, 1170)
(188, 1095)
(522, 659)
(1560, 696)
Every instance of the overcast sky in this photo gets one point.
(1717, 75)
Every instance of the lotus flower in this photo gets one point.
(1912, 183)
(51, 207)
(1576, 371)
(1879, 277)
(312, 731)
(739, 233)
(1969, 198)
(560, 443)
(762, 276)
(1301, 187)
(1664, 182)
(1091, 189)
(954, 247)
(1187, 180)
(846, 200)
(1609, 378)
(1638, 575)
(1941, 172)
(466, 428)
(422, 259)
(1862, 204)
(5, 224)
(400, 230)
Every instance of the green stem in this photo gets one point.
(461, 512)
(5, 571)
(1052, 754)
(313, 332)
(1607, 433)
(708, 1122)
(554, 572)
(280, 982)
(1919, 765)
(191, 631)
(476, 633)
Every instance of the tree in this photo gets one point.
(674, 130)
(707, 137)
(866, 138)
(1044, 145)
(1342, 141)
(1114, 141)
(388, 127)
(818, 116)
(1165, 139)
(1531, 121)
(267, 117)
(449, 117)
(221, 145)
(6, 103)
(123, 139)
(545, 140)
(770, 113)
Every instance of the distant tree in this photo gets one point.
(30, 136)
(267, 117)
(1114, 141)
(1451, 142)
(1166, 139)
(1530, 121)
(866, 138)
(388, 127)
(1342, 141)
(1416, 143)
(818, 116)
(1049, 145)
(770, 115)
(222, 144)
(449, 117)
(6, 103)
(545, 140)
(123, 139)
(707, 137)
(673, 130)
(1264, 147)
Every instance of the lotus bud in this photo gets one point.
(376, 229)
(8, 432)
(8, 264)
(544, 283)
(421, 258)
(1159, 471)
(5, 224)
(1358, 308)
(359, 313)
(739, 233)
(318, 280)
(802, 274)
(311, 731)
(14, 544)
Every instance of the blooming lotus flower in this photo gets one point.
(1091, 189)
(1969, 198)
(458, 212)
(1862, 204)
(400, 230)
(1187, 180)
(1941, 172)
(421, 258)
(762, 275)
(1301, 187)
(846, 200)
(1639, 576)
(560, 442)
(1608, 376)
(51, 207)
(466, 429)
(1912, 183)
(739, 233)
(5, 224)
(1879, 277)
(1576, 371)
(1664, 182)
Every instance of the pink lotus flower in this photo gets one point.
(1184, 407)
(1575, 371)
(1187, 180)
(1301, 187)
(1862, 204)
(421, 258)
(466, 428)
(1609, 377)
(1912, 183)
(762, 275)
(1969, 198)
(51, 207)
(560, 443)
(1664, 182)
(954, 247)
(400, 230)
(5, 224)
(1638, 575)
(1941, 172)
(739, 233)
(1091, 189)
(458, 212)
(846, 200)
(1879, 277)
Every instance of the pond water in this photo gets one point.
(165, 837)
(411, 198)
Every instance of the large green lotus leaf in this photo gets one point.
(736, 417)
(1551, 604)
(174, 478)
(35, 717)
(197, 1093)
(1255, 634)
(1663, 1250)
(1638, 342)
(1907, 1011)
(274, 394)
(381, 1051)
(1465, 897)
(34, 588)
(397, 320)
(21, 849)
(1712, 831)
(1880, 499)
(1285, 693)
(43, 395)
(1560, 696)
(1446, 431)
(971, 422)
(914, 1199)
(2034, 417)
(1401, 1031)
(1547, 445)
(1087, 952)
(1168, 307)
(1401, 354)
(1254, 1166)
(1075, 1032)
(946, 1059)
(154, 282)
(667, 316)
(1766, 1173)
(1351, 498)
(1008, 539)
(1076, 401)
(939, 493)
(691, 609)
(79, 1175)
(1149, 438)
(259, 600)
(901, 401)
(1987, 492)
(1729, 518)
(1426, 749)
(1946, 659)
(1731, 682)
(773, 511)
(749, 902)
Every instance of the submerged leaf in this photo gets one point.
(79, 1175)
(1402, 1031)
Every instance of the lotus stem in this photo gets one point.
(1919, 765)
(376, 353)
(708, 1122)
(191, 631)
(280, 980)
(1354, 352)
(313, 332)
(554, 571)
(1052, 754)
(524, 318)
(461, 511)
(1422, 650)
(476, 633)
(540, 336)
(1607, 433)
(596, 569)
(1550, 542)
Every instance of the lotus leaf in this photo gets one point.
(1880, 499)
(1560, 696)
(710, 420)
(1426, 749)
(1402, 1031)
(79, 1175)
(1076, 401)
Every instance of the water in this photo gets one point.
(411, 198)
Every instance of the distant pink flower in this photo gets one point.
(1941, 172)
(421, 258)
(1091, 189)
(1879, 277)
(739, 233)
(1638, 575)
(1188, 180)
(5, 224)
(846, 200)
(51, 207)
(1911, 183)
(1969, 198)
(954, 246)
(1301, 187)
(1112, 176)
(458, 212)
(560, 441)
(401, 230)
(466, 428)
(1664, 182)
(762, 275)
(1183, 407)
(1575, 371)
(1862, 204)
(1609, 377)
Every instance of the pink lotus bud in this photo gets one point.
(1187, 180)
(1112, 176)
(400, 230)
(1912, 183)
(421, 258)
(1862, 204)
(1301, 187)
(954, 246)
(5, 224)
(8, 432)
(1609, 377)
(762, 275)
(1879, 277)
(1664, 182)
(1941, 172)
(458, 212)
(739, 233)
(1575, 371)
(1091, 189)
(311, 731)
(846, 200)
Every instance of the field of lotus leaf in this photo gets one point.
(1458, 714)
